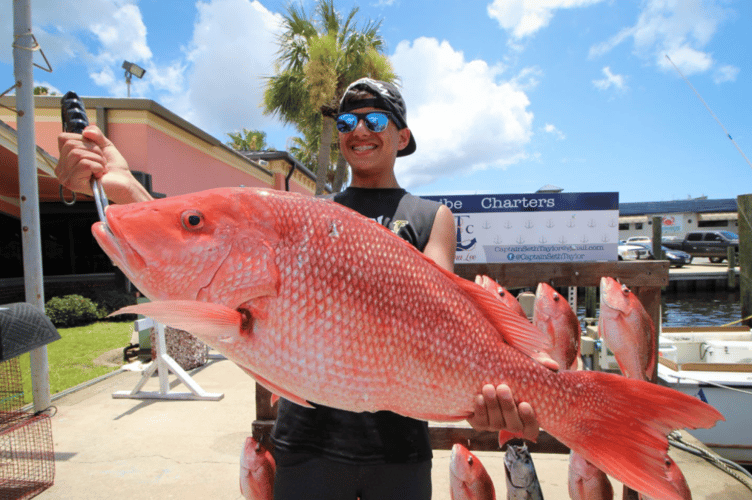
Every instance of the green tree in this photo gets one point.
(247, 140)
(318, 57)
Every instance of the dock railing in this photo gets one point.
(644, 278)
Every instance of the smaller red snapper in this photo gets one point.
(627, 329)
(586, 481)
(468, 479)
(504, 295)
(554, 317)
(257, 469)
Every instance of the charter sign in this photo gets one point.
(539, 227)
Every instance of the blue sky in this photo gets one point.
(503, 96)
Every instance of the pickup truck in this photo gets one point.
(712, 244)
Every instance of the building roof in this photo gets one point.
(678, 206)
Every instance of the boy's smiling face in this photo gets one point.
(372, 154)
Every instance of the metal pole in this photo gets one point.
(23, 55)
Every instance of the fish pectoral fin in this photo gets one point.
(276, 390)
(205, 320)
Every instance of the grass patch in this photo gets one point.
(71, 359)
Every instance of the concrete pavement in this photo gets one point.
(114, 449)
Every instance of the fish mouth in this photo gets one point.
(116, 247)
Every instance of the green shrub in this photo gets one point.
(71, 310)
(110, 301)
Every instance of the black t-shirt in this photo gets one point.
(364, 438)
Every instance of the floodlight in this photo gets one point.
(132, 69)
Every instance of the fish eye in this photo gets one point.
(470, 460)
(192, 220)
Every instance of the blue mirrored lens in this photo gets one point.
(347, 122)
(376, 121)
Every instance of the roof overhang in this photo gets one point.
(718, 216)
(49, 187)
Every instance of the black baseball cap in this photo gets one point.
(386, 97)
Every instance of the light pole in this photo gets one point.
(132, 69)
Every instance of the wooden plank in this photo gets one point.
(699, 329)
(652, 273)
(444, 437)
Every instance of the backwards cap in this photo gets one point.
(386, 97)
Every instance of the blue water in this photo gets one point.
(701, 308)
(705, 308)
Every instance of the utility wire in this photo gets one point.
(710, 111)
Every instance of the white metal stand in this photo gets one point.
(164, 364)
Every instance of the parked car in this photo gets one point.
(712, 244)
(675, 257)
(639, 239)
(629, 251)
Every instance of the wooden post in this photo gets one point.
(744, 206)
(591, 301)
(657, 238)
(731, 257)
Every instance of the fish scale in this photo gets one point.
(347, 314)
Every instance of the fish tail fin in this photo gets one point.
(621, 427)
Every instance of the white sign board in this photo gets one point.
(539, 227)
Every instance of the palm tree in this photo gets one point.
(247, 140)
(318, 58)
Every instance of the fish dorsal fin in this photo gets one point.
(516, 330)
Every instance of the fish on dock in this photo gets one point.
(321, 304)
(522, 481)
(468, 478)
(257, 470)
(586, 481)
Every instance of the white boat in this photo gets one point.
(715, 365)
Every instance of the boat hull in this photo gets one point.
(731, 439)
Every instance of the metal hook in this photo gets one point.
(62, 197)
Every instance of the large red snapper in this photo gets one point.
(554, 317)
(321, 304)
(627, 329)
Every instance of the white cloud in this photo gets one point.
(726, 74)
(618, 82)
(687, 59)
(550, 128)
(681, 29)
(464, 116)
(232, 50)
(525, 17)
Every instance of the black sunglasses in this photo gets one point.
(376, 121)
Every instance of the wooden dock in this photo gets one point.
(701, 275)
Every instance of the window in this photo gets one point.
(623, 227)
(712, 223)
(638, 225)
